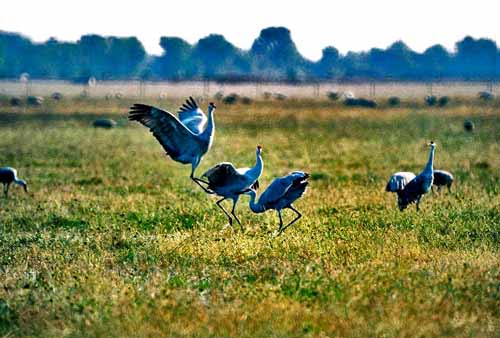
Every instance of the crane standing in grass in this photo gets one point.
(398, 182)
(228, 182)
(420, 185)
(442, 178)
(8, 175)
(185, 139)
(280, 194)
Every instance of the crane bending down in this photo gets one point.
(280, 194)
(420, 185)
(184, 139)
(8, 175)
(442, 178)
(398, 182)
(229, 183)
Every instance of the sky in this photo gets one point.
(349, 25)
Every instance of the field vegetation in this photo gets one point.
(114, 240)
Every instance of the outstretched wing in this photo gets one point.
(175, 138)
(192, 116)
(222, 175)
(399, 180)
(279, 187)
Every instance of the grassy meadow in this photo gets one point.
(114, 240)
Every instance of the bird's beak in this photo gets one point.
(211, 104)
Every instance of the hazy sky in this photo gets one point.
(348, 25)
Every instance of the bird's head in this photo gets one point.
(259, 149)
(431, 144)
(211, 107)
(23, 184)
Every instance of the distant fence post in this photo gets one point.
(489, 86)
(206, 88)
(142, 89)
(316, 88)
(372, 89)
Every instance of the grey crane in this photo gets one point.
(279, 195)
(398, 181)
(442, 178)
(185, 139)
(420, 185)
(229, 183)
(8, 175)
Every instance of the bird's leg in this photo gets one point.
(6, 189)
(281, 223)
(225, 212)
(449, 188)
(439, 189)
(417, 204)
(299, 215)
(234, 215)
(199, 181)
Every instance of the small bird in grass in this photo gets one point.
(420, 185)
(228, 182)
(279, 195)
(185, 139)
(442, 178)
(8, 175)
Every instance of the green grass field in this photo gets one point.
(114, 240)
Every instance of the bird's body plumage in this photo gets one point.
(183, 138)
(8, 176)
(420, 185)
(280, 194)
(228, 182)
(442, 178)
(399, 180)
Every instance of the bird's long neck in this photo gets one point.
(257, 169)
(429, 167)
(18, 181)
(208, 133)
(255, 207)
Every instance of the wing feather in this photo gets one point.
(279, 187)
(166, 128)
(192, 116)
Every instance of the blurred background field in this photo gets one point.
(114, 240)
(183, 89)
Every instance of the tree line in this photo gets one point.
(273, 56)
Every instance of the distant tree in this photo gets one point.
(215, 57)
(16, 54)
(435, 62)
(175, 62)
(92, 49)
(475, 59)
(274, 52)
(123, 57)
(273, 56)
(328, 67)
(397, 61)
